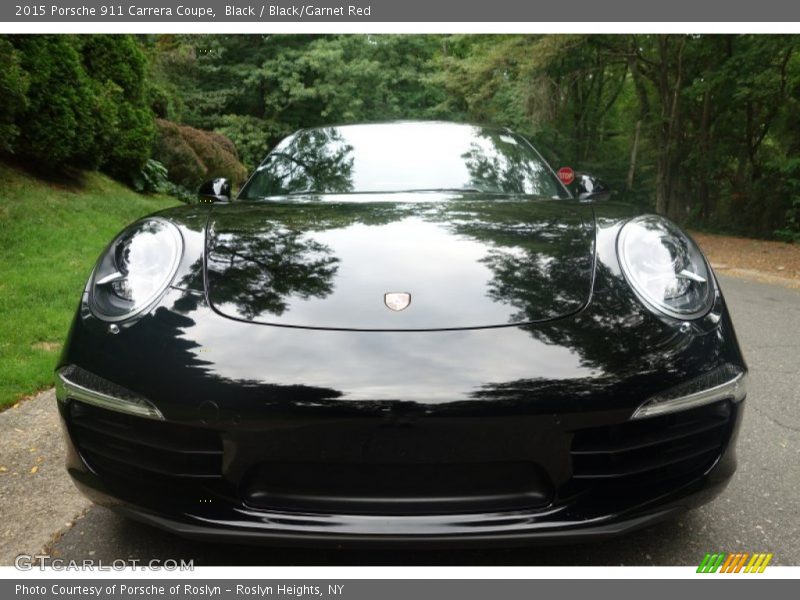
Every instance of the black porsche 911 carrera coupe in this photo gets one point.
(401, 333)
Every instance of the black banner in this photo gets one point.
(390, 589)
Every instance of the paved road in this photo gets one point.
(760, 510)
(36, 496)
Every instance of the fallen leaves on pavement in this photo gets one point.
(777, 259)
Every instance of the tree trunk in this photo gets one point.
(705, 148)
(670, 111)
(634, 150)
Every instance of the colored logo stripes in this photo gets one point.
(734, 563)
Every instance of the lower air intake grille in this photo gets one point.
(678, 444)
(397, 489)
(122, 444)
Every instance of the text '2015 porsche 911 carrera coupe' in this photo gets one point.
(401, 333)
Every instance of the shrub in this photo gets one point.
(119, 68)
(790, 230)
(183, 165)
(151, 178)
(117, 58)
(193, 155)
(160, 100)
(224, 143)
(86, 103)
(57, 126)
(13, 86)
(134, 142)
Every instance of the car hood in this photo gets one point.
(466, 262)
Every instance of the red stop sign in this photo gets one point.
(566, 175)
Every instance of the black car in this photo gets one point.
(401, 333)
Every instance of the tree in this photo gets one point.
(13, 89)
(57, 126)
(118, 68)
(85, 105)
(258, 89)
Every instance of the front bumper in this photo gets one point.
(577, 508)
(351, 531)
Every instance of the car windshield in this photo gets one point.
(402, 157)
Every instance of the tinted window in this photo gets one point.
(402, 157)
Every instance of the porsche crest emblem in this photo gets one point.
(397, 301)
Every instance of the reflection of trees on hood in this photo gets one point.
(260, 257)
(628, 350)
(541, 260)
(615, 336)
(256, 270)
(317, 160)
(546, 272)
(539, 285)
(541, 263)
(540, 255)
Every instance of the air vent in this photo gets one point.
(678, 444)
(120, 444)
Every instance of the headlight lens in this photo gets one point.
(135, 269)
(664, 267)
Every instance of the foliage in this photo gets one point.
(258, 89)
(192, 156)
(58, 126)
(152, 177)
(39, 282)
(179, 192)
(703, 128)
(119, 67)
(252, 136)
(13, 89)
(790, 232)
(85, 106)
(700, 128)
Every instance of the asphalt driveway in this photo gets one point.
(759, 512)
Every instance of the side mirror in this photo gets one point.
(215, 190)
(591, 188)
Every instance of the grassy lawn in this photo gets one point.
(51, 233)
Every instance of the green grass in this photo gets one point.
(51, 233)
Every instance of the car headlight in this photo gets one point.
(135, 269)
(727, 382)
(665, 268)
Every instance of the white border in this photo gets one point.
(111, 26)
(339, 573)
